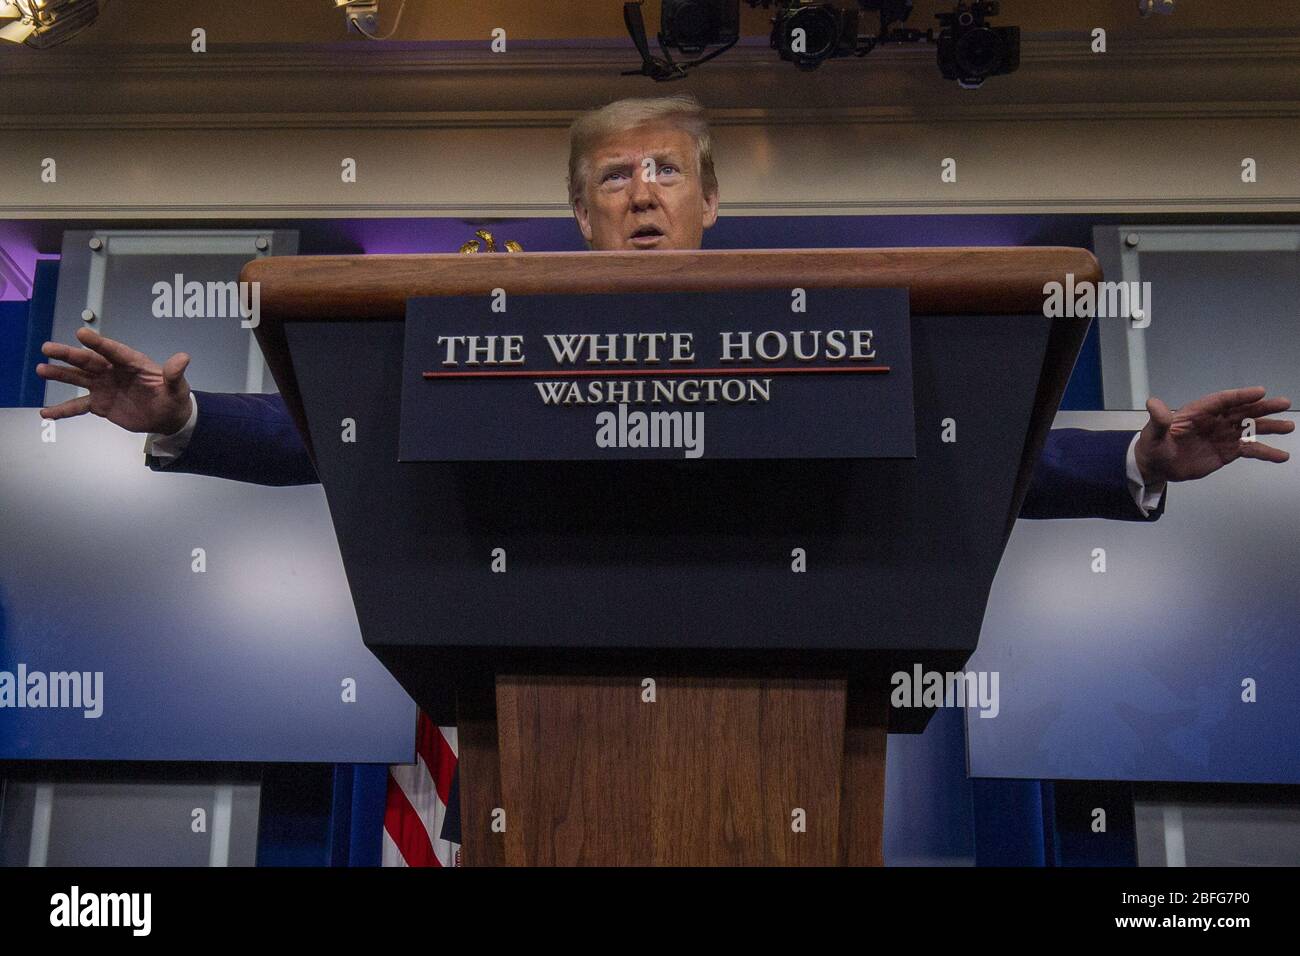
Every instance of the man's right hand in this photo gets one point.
(127, 387)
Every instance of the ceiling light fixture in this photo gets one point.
(45, 23)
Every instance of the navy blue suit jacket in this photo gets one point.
(252, 438)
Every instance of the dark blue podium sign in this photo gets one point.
(678, 375)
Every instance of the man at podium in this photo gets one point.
(641, 177)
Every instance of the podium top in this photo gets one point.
(943, 281)
(952, 280)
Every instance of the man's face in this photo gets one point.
(622, 207)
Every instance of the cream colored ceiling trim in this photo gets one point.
(1056, 73)
(1190, 50)
(1159, 127)
(1029, 113)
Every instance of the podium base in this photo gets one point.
(671, 771)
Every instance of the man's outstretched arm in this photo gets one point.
(1089, 474)
(251, 437)
(1109, 474)
(241, 437)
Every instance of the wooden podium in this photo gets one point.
(591, 740)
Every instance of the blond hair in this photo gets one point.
(681, 110)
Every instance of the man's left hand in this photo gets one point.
(1203, 436)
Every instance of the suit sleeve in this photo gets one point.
(248, 438)
(1081, 474)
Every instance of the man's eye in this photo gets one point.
(612, 176)
(668, 169)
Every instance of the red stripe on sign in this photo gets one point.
(431, 745)
(406, 830)
(621, 373)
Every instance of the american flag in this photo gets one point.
(422, 817)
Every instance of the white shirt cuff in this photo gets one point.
(167, 447)
(1147, 499)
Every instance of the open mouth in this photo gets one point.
(647, 235)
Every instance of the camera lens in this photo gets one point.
(821, 31)
(979, 52)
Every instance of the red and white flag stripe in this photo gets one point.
(417, 801)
